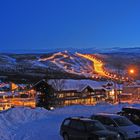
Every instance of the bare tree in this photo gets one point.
(58, 84)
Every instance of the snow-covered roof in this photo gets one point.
(8, 94)
(80, 85)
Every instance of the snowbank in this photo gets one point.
(11, 119)
(40, 124)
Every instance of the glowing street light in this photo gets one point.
(131, 71)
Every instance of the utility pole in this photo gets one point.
(115, 92)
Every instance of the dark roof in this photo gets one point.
(66, 91)
(131, 109)
(39, 82)
(82, 119)
(108, 115)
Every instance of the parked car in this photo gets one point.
(77, 128)
(120, 124)
(132, 113)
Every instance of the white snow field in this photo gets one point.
(40, 124)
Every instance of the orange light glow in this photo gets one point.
(97, 64)
(132, 71)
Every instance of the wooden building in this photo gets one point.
(86, 94)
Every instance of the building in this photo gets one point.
(9, 99)
(133, 90)
(17, 96)
(86, 94)
(57, 93)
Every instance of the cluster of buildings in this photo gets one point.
(14, 95)
(67, 92)
(131, 92)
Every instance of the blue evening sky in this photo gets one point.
(45, 24)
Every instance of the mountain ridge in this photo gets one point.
(130, 50)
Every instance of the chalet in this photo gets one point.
(84, 94)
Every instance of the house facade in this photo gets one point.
(58, 93)
(86, 94)
(12, 95)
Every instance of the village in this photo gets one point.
(56, 93)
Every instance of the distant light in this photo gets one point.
(52, 108)
(132, 71)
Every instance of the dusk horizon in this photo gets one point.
(73, 50)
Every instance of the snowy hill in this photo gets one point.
(70, 63)
(61, 64)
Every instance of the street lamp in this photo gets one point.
(131, 71)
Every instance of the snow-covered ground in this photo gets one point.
(40, 124)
